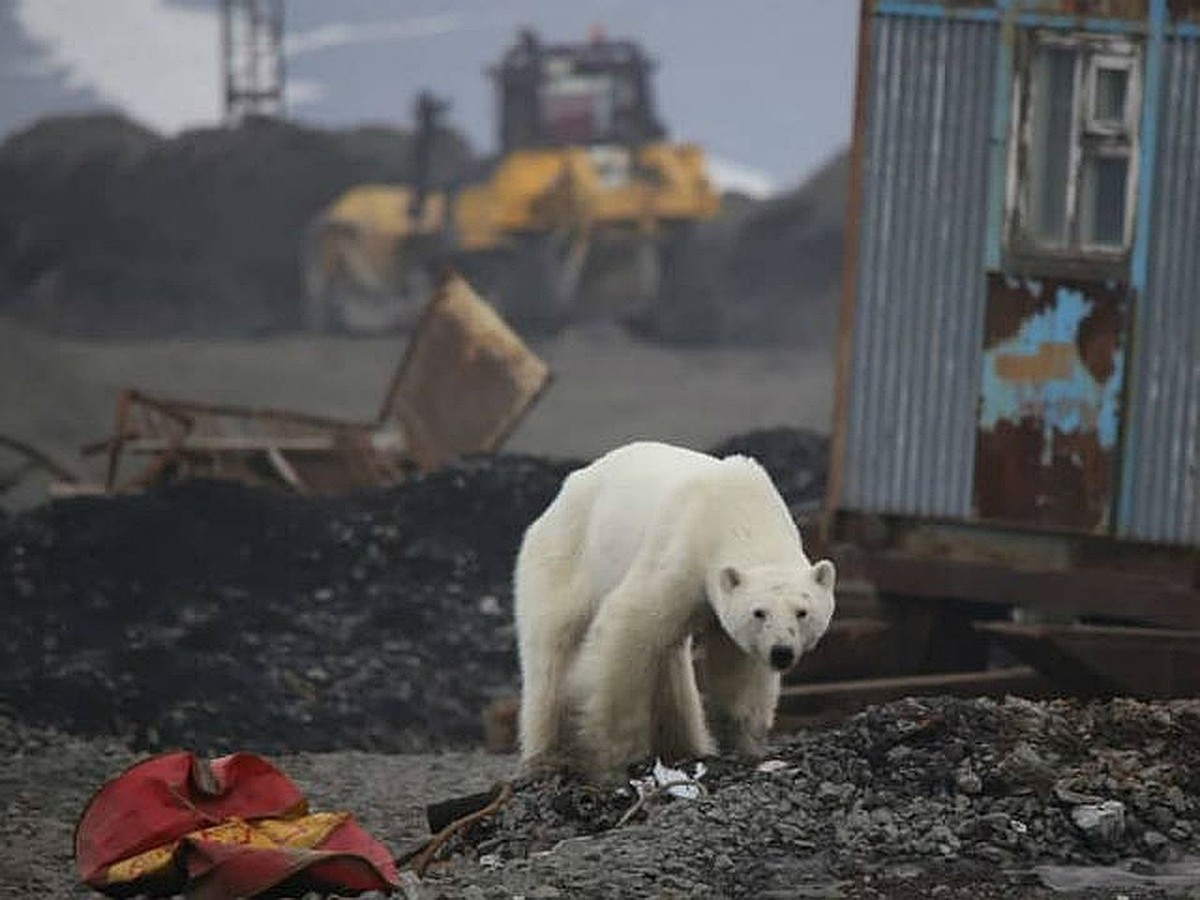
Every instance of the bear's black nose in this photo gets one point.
(782, 656)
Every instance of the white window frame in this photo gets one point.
(1090, 136)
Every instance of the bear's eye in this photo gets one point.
(760, 613)
(801, 613)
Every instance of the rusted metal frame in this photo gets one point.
(37, 458)
(1139, 263)
(848, 302)
(117, 440)
(239, 444)
(153, 469)
(123, 435)
(184, 407)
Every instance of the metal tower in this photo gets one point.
(252, 46)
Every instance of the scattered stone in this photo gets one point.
(1103, 823)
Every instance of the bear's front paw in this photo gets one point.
(740, 736)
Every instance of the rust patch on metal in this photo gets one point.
(1089, 9)
(1013, 305)
(1130, 10)
(1184, 10)
(1101, 334)
(1084, 9)
(1050, 410)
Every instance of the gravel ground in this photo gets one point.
(357, 641)
(47, 777)
(933, 797)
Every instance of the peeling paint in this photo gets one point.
(1051, 379)
(1049, 413)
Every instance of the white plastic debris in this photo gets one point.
(675, 782)
(679, 783)
(771, 765)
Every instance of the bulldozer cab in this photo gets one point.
(581, 94)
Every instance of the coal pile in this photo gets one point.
(797, 463)
(211, 615)
(214, 616)
(110, 229)
(964, 788)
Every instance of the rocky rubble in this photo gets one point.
(214, 616)
(965, 789)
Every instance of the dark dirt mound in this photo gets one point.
(109, 229)
(764, 272)
(213, 616)
(797, 466)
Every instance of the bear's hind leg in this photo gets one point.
(551, 618)
(680, 730)
(544, 720)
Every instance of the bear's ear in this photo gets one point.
(730, 578)
(824, 574)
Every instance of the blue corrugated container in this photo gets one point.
(1019, 365)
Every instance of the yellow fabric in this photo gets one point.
(304, 832)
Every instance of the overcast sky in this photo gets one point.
(764, 84)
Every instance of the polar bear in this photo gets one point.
(642, 552)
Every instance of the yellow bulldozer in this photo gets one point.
(586, 212)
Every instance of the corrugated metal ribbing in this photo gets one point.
(918, 321)
(1164, 401)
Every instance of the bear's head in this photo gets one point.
(775, 613)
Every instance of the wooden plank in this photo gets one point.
(847, 696)
(1133, 597)
(1106, 660)
(851, 648)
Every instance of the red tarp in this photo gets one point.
(234, 827)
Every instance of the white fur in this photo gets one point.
(643, 551)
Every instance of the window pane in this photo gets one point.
(1053, 110)
(1112, 87)
(1103, 200)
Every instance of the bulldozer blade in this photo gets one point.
(621, 280)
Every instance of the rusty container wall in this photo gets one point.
(1161, 485)
(914, 378)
